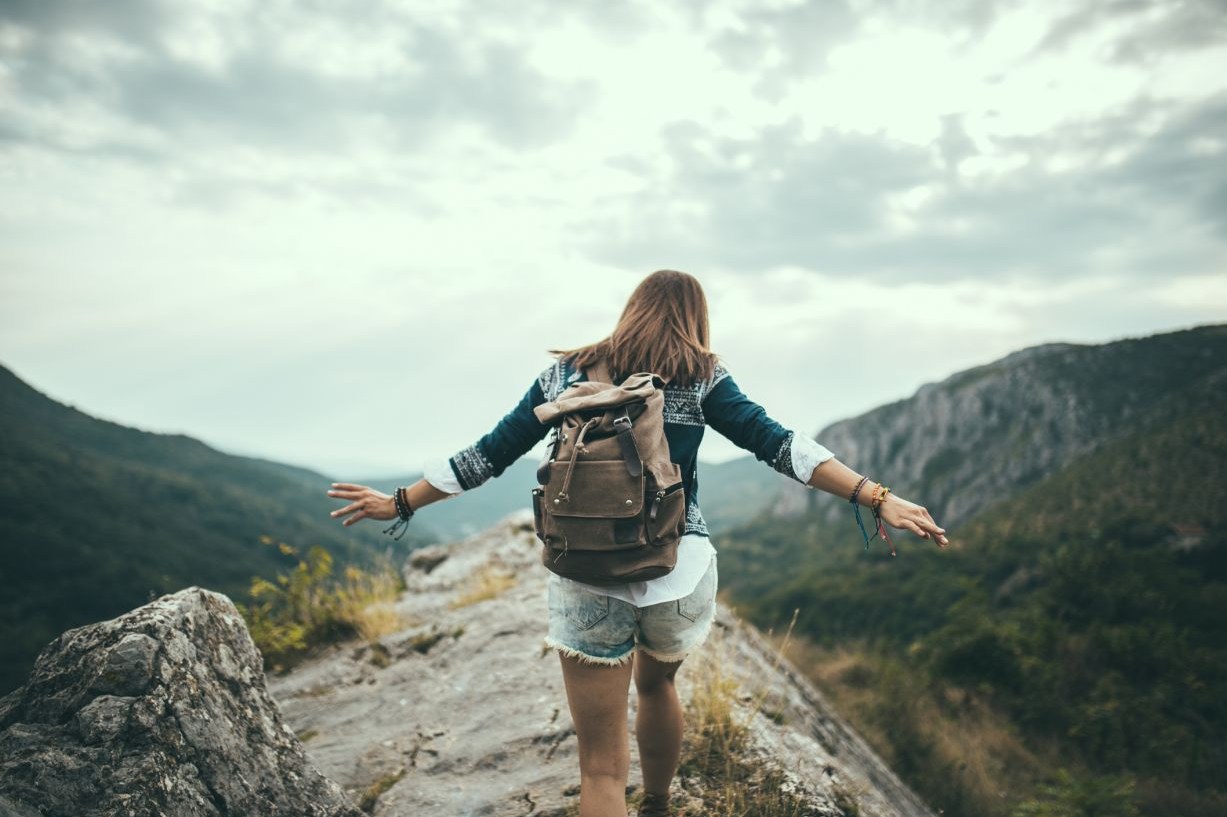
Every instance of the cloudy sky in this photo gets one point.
(343, 235)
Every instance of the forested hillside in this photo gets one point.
(97, 518)
(1078, 621)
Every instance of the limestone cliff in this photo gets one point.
(989, 432)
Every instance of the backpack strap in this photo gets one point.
(626, 441)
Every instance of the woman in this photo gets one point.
(598, 630)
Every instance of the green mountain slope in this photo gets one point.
(1084, 611)
(98, 517)
(982, 436)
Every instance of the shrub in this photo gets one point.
(308, 606)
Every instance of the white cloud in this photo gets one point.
(296, 232)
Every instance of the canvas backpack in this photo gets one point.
(609, 507)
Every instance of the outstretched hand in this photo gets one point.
(365, 503)
(900, 513)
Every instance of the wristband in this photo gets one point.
(400, 498)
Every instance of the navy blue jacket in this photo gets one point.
(717, 402)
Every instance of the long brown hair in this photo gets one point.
(663, 329)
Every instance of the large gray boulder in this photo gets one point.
(161, 711)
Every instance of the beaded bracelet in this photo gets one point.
(403, 512)
(879, 496)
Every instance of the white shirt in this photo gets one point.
(694, 550)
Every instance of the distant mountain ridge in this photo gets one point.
(987, 432)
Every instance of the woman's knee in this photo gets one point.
(611, 766)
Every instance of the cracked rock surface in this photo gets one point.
(464, 713)
(161, 711)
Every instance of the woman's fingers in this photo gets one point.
(932, 529)
(927, 529)
(938, 532)
(347, 509)
(357, 494)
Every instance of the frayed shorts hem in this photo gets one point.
(618, 660)
(584, 657)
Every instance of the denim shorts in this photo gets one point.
(600, 629)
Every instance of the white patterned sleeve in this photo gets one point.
(807, 454)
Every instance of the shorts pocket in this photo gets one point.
(583, 608)
(697, 603)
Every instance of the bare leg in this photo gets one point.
(658, 723)
(597, 696)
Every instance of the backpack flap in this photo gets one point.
(590, 396)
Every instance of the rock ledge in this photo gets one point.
(162, 710)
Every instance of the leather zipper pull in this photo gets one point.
(656, 505)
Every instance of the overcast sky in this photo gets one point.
(343, 235)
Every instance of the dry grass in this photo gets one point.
(716, 750)
(368, 600)
(962, 756)
(487, 583)
(369, 797)
(370, 603)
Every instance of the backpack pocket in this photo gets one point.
(538, 522)
(601, 507)
(596, 489)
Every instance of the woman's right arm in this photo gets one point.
(514, 435)
(517, 432)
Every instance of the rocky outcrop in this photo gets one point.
(464, 711)
(167, 711)
(162, 711)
